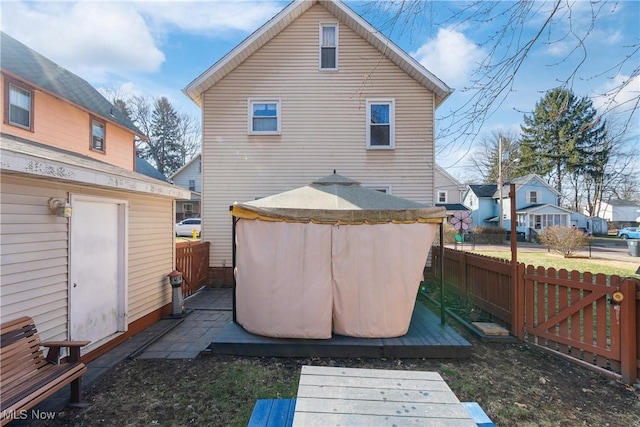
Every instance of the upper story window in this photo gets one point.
(532, 197)
(264, 116)
(329, 46)
(19, 106)
(192, 185)
(98, 130)
(380, 124)
(442, 196)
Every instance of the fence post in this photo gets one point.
(518, 309)
(628, 331)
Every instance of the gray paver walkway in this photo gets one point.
(211, 312)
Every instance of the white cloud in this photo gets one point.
(97, 39)
(619, 94)
(451, 56)
(88, 38)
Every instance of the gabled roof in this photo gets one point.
(522, 181)
(537, 206)
(453, 206)
(145, 168)
(21, 62)
(289, 14)
(483, 190)
(447, 175)
(196, 157)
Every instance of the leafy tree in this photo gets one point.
(163, 145)
(561, 136)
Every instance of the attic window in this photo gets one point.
(98, 130)
(20, 106)
(533, 197)
(329, 46)
(442, 196)
(264, 116)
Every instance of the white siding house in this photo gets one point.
(189, 177)
(316, 89)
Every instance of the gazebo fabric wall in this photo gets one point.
(283, 279)
(377, 270)
(312, 279)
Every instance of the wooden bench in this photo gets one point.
(27, 377)
(272, 413)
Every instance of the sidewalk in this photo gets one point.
(210, 311)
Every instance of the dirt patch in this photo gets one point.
(516, 386)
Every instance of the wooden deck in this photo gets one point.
(426, 338)
(333, 396)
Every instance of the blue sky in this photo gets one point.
(157, 48)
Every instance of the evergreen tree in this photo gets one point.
(164, 145)
(560, 137)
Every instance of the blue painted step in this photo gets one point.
(272, 413)
(477, 414)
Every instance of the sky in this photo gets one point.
(156, 48)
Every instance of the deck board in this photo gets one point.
(426, 338)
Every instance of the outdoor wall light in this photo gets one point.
(60, 207)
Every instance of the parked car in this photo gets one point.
(186, 227)
(629, 233)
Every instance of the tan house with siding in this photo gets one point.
(86, 241)
(316, 88)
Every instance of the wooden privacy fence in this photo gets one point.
(567, 313)
(192, 260)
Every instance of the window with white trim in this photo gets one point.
(380, 123)
(264, 116)
(442, 196)
(98, 128)
(328, 46)
(20, 106)
(532, 197)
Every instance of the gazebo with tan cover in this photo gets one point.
(330, 257)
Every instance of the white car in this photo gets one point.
(186, 227)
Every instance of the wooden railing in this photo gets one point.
(567, 313)
(192, 260)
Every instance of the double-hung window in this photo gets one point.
(264, 116)
(533, 197)
(98, 130)
(20, 108)
(329, 46)
(380, 124)
(442, 196)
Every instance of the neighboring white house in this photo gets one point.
(315, 89)
(620, 212)
(189, 177)
(448, 191)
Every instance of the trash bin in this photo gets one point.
(634, 247)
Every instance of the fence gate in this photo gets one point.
(570, 313)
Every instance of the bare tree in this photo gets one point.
(508, 49)
(486, 157)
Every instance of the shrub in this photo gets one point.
(449, 235)
(564, 240)
(489, 235)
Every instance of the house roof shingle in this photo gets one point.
(483, 190)
(26, 64)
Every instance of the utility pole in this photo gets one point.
(500, 179)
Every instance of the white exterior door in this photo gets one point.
(97, 285)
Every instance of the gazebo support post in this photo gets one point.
(442, 319)
(234, 221)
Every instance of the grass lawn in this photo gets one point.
(549, 259)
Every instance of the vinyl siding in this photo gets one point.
(34, 253)
(323, 125)
(181, 179)
(62, 125)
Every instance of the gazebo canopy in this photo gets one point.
(336, 199)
